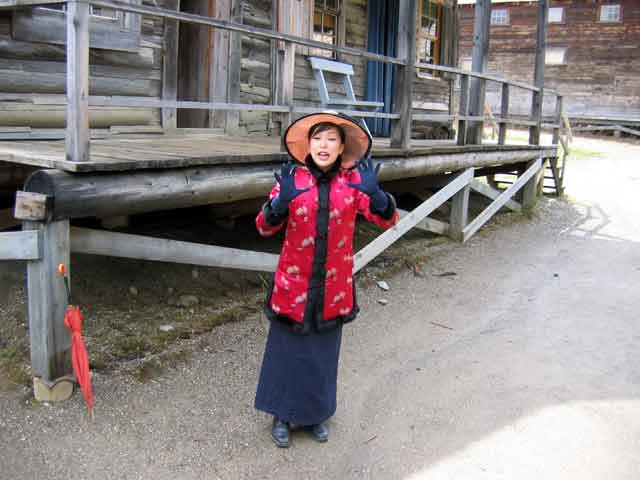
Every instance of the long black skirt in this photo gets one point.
(299, 375)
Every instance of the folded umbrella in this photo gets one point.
(79, 359)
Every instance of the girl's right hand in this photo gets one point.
(288, 190)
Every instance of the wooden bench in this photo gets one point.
(321, 65)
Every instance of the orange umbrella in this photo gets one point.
(79, 359)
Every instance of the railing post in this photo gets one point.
(463, 110)
(541, 46)
(233, 80)
(403, 95)
(480, 54)
(558, 121)
(504, 113)
(77, 137)
(170, 67)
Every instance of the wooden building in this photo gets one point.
(118, 107)
(592, 54)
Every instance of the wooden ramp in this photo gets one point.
(139, 152)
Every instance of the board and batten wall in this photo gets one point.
(601, 72)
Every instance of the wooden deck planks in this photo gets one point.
(191, 150)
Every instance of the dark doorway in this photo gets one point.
(193, 65)
(383, 33)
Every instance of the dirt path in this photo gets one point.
(521, 362)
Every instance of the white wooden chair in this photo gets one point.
(321, 65)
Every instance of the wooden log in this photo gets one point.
(50, 339)
(20, 245)
(532, 186)
(555, 138)
(113, 194)
(480, 54)
(405, 75)
(383, 241)
(96, 242)
(143, 58)
(77, 141)
(170, 67)
(498, 203)
(541, 46)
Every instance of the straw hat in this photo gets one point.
(357, 140)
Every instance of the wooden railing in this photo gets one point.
(78, 98)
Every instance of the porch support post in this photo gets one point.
(459, 213)
(532, 187)
(481, 30)
(406, 50)
(541, 46)
(170, 67)
(77, 139)
(47, 298)
(233, 81)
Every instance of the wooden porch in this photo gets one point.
(122, 153)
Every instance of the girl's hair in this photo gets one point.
(324, 126)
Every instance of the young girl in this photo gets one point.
(312, 294)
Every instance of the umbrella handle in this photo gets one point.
(62, 271)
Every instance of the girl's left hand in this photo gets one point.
(368, 177)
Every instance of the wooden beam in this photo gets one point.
(96, 242)
(504, 113)
(480, 54)
(47, 298)
(541, 47)
(386, 239)
(499, 202)
(558, 121)
(232, 126)
(218, 75)
(463, 109)
(430, 225)
(20, 245)
(170, 66)
(487, 191)
(532, 187)
(77, 141)
(32, 206)
(405, 75)
(287, 77)
(459, 213)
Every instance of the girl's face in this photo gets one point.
(325, 147)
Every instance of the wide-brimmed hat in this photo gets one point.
(357, 141)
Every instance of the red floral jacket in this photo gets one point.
(317, 255)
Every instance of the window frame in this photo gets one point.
(424, 37)
(602, 8)
(562, 16)
(334, 12)
(556, 48)
(507, 16)
(44, 24)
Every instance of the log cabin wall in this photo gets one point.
(38, 66)
(600, 73)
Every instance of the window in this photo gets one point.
(109, 29)
(556, 15)
(429, 31)
(500, 16)
(555, 56)
(325, 25)
(610, 13)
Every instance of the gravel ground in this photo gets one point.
(511, 356)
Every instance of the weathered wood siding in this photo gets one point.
(40, 68)
(601, 74)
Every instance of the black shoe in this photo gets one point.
(280, 433)
(320, 432)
